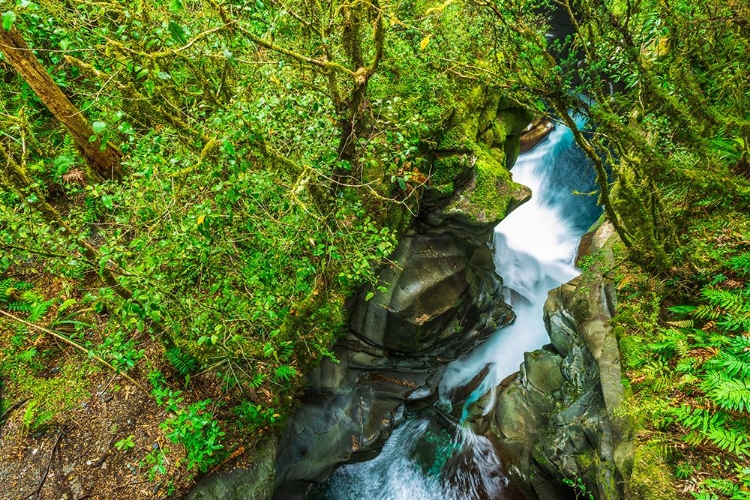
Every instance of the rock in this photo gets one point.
(254, 482)
(442, 297)
(559, 418)
(536, 132)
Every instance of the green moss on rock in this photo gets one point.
(492, 193)
(450, 167)
(652, 478)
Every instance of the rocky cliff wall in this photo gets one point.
(560, 417)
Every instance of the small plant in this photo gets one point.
(195, 429)
(156, 461)
(580, 489)
(183, 363)
(34, 418)
(125, 444)
(120, 352)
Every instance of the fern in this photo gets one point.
(725, 487)
(19, 307)
(730, 394)
(38, 310)
(713, 427)
(741, 264)
(728, 300)
(734, 359)
(182, 362)
(707, 312)
(730, 440)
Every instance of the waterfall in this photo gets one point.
(430, 456)
(535, 250)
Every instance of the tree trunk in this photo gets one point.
(107, 162)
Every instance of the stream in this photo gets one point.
(434, 455)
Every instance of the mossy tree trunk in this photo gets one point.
(105, 161)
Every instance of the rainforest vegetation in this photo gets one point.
(191, 189)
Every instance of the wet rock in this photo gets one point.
(536, 132)
(442, 297)
(559, 417)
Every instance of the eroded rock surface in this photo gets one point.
(442, 297)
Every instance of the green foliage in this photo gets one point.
(119, 351)
(125, 444)
(252, 416)
(580, 488)
(183, 363)
(193, 427)
(156, 462)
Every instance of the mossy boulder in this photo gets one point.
(491, 193)
(470, 165)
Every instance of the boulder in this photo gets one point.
(535, 133)
(441, 297)
(253, 482)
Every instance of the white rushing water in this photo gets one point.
(535, 247)
(423, 460)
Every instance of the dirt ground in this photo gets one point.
(78, 456)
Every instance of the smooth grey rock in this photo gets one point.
(442, 297)
(248, 483)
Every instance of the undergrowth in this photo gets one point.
(686, 346)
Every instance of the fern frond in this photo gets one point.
(38, 310)
(729, 440)
(730, 394)
(724, 486)
(741, 264)
(707, 312)
(182, 362)
(683, 323)
(19, 307)
(31, 296)
(729, 301)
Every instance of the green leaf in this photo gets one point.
(149, 86)
(175, 5)
(98, 127)
(9, 18)
(107, 201)
(178, 34)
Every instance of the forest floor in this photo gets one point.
(73, 429)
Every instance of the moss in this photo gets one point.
(652, 478)
(512, 121)
(448, 168)
(54, 394)
(493, 191)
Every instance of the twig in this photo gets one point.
(79, 347)
(8, 411)
(46, 471)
